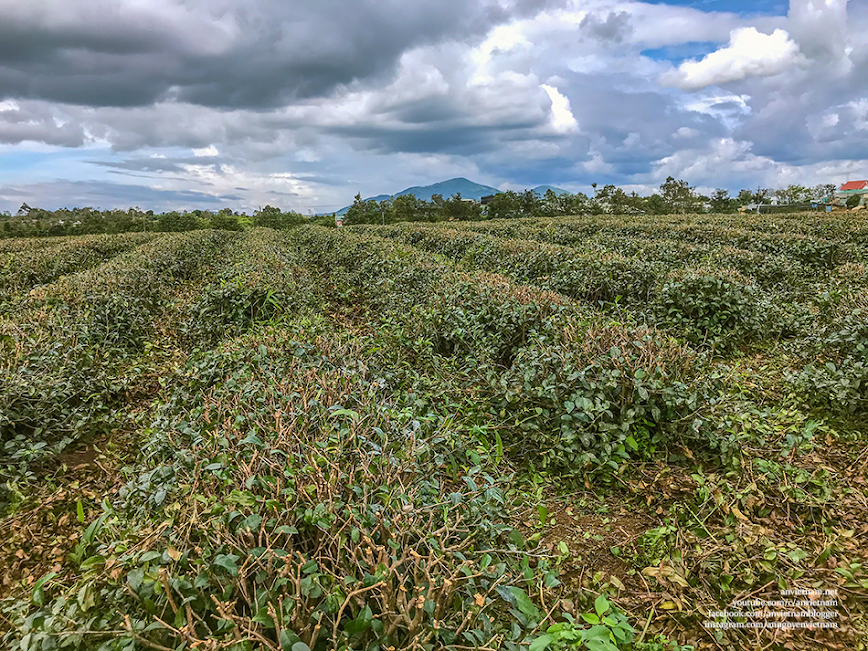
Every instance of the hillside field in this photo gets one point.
(570, 433)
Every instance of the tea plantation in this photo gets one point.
(569, 433)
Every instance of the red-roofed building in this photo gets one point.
(852, 188)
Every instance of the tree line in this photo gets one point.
(674, 196)
(36, 222)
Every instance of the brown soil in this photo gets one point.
(39, 535)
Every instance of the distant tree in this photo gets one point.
(616, 201)
(114, 221)
(656, 205)
(793, 194)
(763, 195)
(744, 197)
(383, 212)
(272, 217)
(461, 209)
(177, 221)
(530, 203)
(504, 205)
(408, 208)
(824, 191)
(678, 196)
(720, 201)
(603, 197)
(593, 206)
(363, 211)
(798, 194)
(551, 204)
(269, 217)
(853, 200)
(575, 204)
(225, 220)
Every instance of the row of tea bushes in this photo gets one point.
(590, 275)
(823, 249)
(112, 305)
(773, 271)
(71, 347)
(733, 297)
(497, 331)
(780, 272)
(845, 228)
(12, 245)
(36, 265)
(707, 306)
(282, 500)
(848, 230)
(263, 278)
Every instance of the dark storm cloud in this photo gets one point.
(258, 55)
(158, 164)
(38, 124)
(615, 27)
(458, 140)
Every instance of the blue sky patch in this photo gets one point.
(745, 7)
(678, 53)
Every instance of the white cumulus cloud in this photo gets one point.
(209, 151)
(562, 120)
(750, 53)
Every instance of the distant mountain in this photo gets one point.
(542, 189)
(468, 190)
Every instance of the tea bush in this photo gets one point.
(22, 270)
(320, 521)
(593, 276)
(601, 395)
(263, 279)
(76, 357)
(837, 378)
(499, 333)
(718, 310)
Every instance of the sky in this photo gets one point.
(186, 104)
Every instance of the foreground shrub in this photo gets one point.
(599, 394)
(74, 359)
(298, 511)
(837, 378)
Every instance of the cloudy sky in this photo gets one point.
(171, 104)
